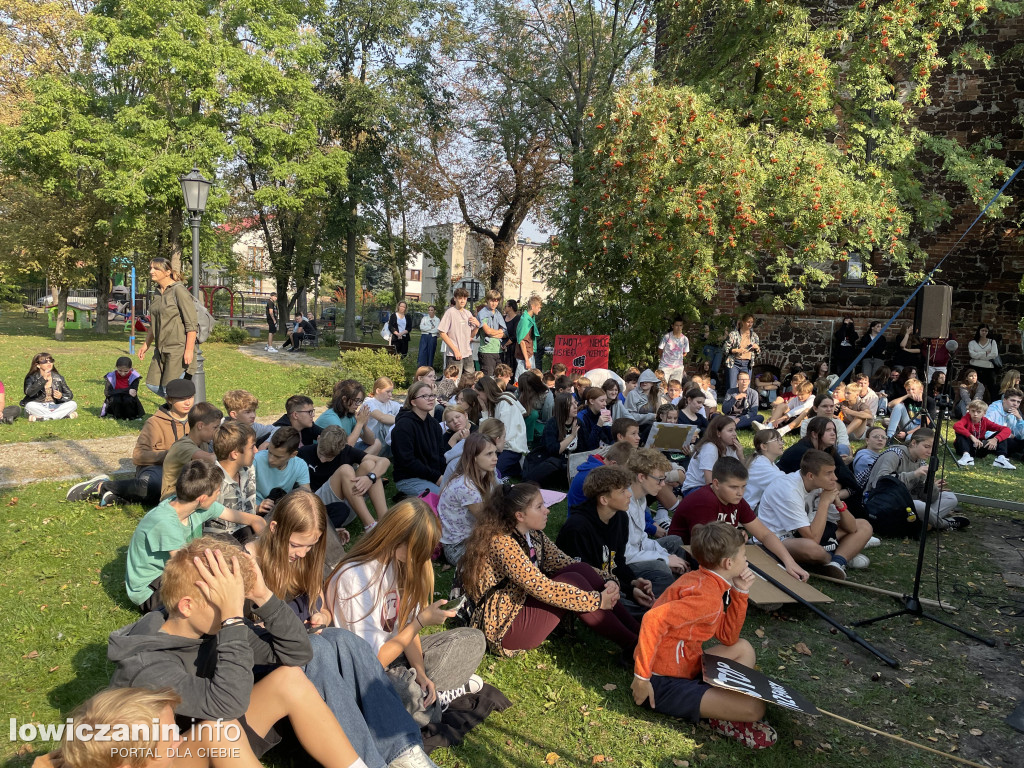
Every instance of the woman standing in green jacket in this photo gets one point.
(172, 329)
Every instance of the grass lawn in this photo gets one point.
(62, 592)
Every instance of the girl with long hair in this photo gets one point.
(383, 591)
(560, 438)
(768, 447)
(348, 409)
(383, 411)
(822, 435)
(616, 403)
(741, 348)
(47, 394)
(1011, 380)
(173, 330)
(490, 428)
(470, 399)
(462, 497)
(290, 553)
(418, 444)
(984, 352)
(456, 425)
(504, 407)
(522, 584)
(825, 405)
(970, 388)
(642, 402)
(718, 440)
(595, 420)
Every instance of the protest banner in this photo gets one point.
(581, 353)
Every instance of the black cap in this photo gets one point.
(180, 389)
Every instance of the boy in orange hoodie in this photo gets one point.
(709, 602)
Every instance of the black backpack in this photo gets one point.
(890, 508)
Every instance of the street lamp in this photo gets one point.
(317, 269)
(196, 189)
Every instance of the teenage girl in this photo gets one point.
(560, 438)
(346, 410)
(768, 447)
(383, 591)
(47, 394)
(383, 411)
(504, 406)
(718, 440)
(462, 498)
(522, 584)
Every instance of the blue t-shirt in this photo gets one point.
(296, 472)
(330, 418)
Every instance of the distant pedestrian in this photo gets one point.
(271, 323)
(428, 337)
(173, 329)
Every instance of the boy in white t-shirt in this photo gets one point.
(803, 509)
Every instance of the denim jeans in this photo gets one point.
(414, 486)
(428, 346)
(713, 353)
(738, 367)
(352, 682)
(900, 421)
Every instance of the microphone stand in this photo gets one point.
(912, 602)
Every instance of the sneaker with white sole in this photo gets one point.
(87, 489)
(474, 685)
(107, 499)
(757, 426)
(874, 541)
(1003, 463)
(956, 523)
(966, 460)
(784, 430)
(757, 735)
(835, 570)
(272, 349)
(858, 562)
(413, 757)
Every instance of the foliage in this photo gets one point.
(229, 334)
(367, 365)
(772, 146)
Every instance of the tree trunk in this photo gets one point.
(174, 238)
(102, 294)
(281, 279)
(351, 252)
(62, 308)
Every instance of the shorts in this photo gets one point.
(272, 327)
(678, 696)
(329, 497)
(260, 745)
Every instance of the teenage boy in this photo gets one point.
(1006, 412)
(241, 405)
(861, 406)
(234, 445)
(298, 413)
(598, 531)
(976, 436)
(741, 403)
(492, 331)
(909, 413)
(723, 501)
(456, 330)
(205, 651)
(910, 464)
(301, 328)
(804, 511)
(279, 470)
(271, 324)
(171, 525)
(706, 603)
(526, 338)
(203, 421)
(344, 477)
(657, 561)
(158, 434)
(617, 455)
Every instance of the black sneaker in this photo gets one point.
(87, 489)
(107, 499)
(957, 523)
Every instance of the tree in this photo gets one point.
(774, 142)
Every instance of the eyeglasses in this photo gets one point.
(43, 362)
(428, 397)
(310, 412)
(661, 480)
(778, 440)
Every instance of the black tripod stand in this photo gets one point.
(912, 602)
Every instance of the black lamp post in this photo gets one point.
(317, 269)
(196, 189)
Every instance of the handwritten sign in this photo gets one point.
(581, 353)
(731, 675)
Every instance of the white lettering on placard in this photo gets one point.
(730, 676)
(781, 695)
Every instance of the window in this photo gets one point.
(256, 261)
(415, 275)
(412, 296)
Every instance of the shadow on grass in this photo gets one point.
(112, 578)
(92, 674)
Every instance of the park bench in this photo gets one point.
(352, 346)
(31, 310)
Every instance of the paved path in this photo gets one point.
(64, 460)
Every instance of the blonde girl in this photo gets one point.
(462, 498)
(383, 592)
(383, 410)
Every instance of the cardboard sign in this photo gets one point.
(762, 593)
(671, 437)
(733, 676)
(581, 353)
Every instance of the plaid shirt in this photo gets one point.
(240, 496)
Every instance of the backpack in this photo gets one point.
(206, 321)
(890, 508)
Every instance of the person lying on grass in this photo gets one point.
(706, 603)
(205, 650)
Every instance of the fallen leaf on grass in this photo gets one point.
(26, 749)
(797, 743)
(802, 648)
(976, 732)
(551, 758)
(31, 655)
(54, 669)
(610, 686)
(680, 763)
(13, 501)
(596, 759)
(759, 632)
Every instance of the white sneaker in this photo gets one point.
(858, 562)
(757, 426)
(474, 685)
(413, 757)
(784, 430)
(272, 349)
(966, 460)
(874, 541)
(1002, 462)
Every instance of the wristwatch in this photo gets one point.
(373, 477)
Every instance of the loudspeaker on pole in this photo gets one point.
(932, 311)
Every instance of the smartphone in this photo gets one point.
(606, 413)
(312, 629)
(454, 605)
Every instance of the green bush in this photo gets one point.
(329, 339)
(363, 365)
(229, 334)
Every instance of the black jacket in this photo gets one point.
(600, 544)
(418, 447)
(35, 388)
(308, 436)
